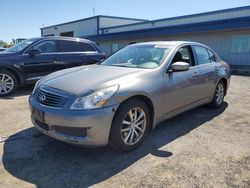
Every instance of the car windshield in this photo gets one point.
(20, 46)
(138, 56)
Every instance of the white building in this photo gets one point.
(86, 27)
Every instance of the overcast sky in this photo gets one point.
(24, 18)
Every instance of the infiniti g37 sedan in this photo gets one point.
(28, 61)
(117, 101)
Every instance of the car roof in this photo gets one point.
(64, 38)
(68, 38)
(169, 43)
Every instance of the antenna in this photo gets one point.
(93, 11)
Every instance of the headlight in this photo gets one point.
(37, 83)
(94, 100)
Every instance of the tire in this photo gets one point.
(8, 83)
(124, 135)
(218, 95)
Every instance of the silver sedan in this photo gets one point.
(117, 101)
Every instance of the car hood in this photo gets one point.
(82, 80)
(7, 55)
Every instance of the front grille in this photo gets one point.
(71, 131)
(50, 99)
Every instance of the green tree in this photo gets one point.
(2, 43)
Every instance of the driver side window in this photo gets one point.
(184, 54)
(48, 46)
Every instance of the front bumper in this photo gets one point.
(86, 127)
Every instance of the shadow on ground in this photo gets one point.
(45, 162)
(25, 90)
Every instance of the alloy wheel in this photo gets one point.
(133, 126)
(219, 93)
(6, 84)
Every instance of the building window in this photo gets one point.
(49, 35)
(114, 47)
(67, 34)
(240, 44)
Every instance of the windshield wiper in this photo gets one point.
(121, 65)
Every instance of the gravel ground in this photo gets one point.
(200, 148)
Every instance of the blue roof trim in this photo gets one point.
(181, 17)
(228, 24)
(93, 17)
(124, 18)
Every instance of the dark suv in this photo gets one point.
(31, 59)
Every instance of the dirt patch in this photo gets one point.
(200, 148)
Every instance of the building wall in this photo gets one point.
(87, 27)
(81, 28)
(111, 22)
(219, 41)
(198, 18)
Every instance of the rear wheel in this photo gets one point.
(8, 83)
(129, 126)
(218, 95)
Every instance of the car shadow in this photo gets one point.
(45, 162)
(23, 91)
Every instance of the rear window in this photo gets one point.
(74, 46)
(69, 46)
(88, 48)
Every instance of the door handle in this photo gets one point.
(56, 59)
(195, 74)
(216, 68)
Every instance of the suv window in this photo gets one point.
(47, 46)
(69, 46)
(74, 46)
(87, 47)
(184, 54)
(212, 56)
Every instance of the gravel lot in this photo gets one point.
(200, 148)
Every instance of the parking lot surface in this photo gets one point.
(200, 148)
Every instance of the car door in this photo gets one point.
(182, 88)
(77, 53)
(43, 63)
(208, 69)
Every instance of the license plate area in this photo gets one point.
(38, 115)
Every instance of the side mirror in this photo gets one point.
(179, 66)
(34, 52)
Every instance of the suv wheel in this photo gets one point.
(8, 83)
(129, 126)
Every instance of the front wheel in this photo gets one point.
(129, 126)
(8, 83)
(218, 95)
